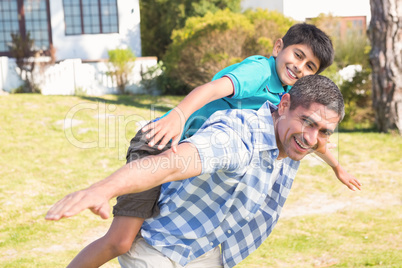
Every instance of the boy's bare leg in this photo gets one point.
(115, 242)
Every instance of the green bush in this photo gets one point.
(357, 95)
(160, 17)
(120, 66)
(210, 43)
(268, 27)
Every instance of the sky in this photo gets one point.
(301, 9)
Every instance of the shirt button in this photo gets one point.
(269, 167)
(229, 231)
(274, 153)
(212, 244)
(247, 218)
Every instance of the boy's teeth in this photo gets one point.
(292, 74)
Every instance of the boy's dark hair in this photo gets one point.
(317, 89)
(317, 40)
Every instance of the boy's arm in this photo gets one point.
(136, 176)
(349, 180)
(171, 126)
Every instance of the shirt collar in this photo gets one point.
(265, 135)
(274, 83)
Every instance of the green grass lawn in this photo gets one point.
(324, 224)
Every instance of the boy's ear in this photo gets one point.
(277, 47)
(284, 105)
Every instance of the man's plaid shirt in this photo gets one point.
(233, 203)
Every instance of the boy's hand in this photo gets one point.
(165, 129)
(76, 202)
(349, 180)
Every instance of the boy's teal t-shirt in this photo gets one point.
(254, 80)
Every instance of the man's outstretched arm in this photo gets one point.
(136, 176)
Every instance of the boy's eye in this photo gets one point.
(297, 55)
(310, 67)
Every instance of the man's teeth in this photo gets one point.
(304, 147)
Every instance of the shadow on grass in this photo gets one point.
(137, 101)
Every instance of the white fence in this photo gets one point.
(72, 76)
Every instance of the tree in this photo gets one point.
(385, 33)
(160, 17)
(22, 49)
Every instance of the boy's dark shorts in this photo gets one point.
(144, 204)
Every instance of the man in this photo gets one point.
(227, 183)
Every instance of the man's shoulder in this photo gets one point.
(246, 117)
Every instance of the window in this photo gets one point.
(23, 17)
(8, 23)
(36, 22)
(90, 16)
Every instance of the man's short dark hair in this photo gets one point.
(317, 89)
(316, 39)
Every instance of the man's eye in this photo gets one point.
(326, 133)
(308, 122)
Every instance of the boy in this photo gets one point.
(304, 50)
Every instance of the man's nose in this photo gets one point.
(311, 136)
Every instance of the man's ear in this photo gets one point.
(277, 47)
(284, 105)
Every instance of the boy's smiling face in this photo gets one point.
(294, 62)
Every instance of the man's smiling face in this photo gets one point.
(303, 130)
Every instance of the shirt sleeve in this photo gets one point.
(224, 142)
(248, 76)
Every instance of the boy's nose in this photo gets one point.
(298, 67)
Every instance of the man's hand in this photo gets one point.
(167, 128)
(76, 202)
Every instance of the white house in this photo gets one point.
(80, 31)
(300, 10)
(76, 28)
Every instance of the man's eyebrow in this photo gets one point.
(314, 123)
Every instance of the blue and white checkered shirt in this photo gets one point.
(234, 202)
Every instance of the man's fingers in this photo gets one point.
(66, 207)
(103, 211)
